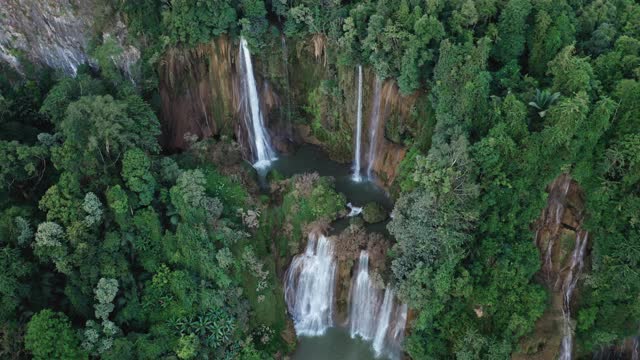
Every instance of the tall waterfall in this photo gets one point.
(258, 137)
(364, 302)
(309, 287)
(373, 126)
(357, 156)
(569, 285)
(380, 320)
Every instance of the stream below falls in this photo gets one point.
(335, 344)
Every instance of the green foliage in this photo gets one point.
(13, 281)
(190, 199)
(193, 23)
(65, 92)
(178, 242)
(552, 31)
(23, 165)
(512, 28)
(136, 167)
(543, 100)
(231, 193)
(107, 55)
(50, 336)
(93, 207)
(98, 130)
(254, 22)
(373, 213)
(570, 73)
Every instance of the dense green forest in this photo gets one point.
(115, 248)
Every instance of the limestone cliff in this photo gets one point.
(56, 33)
(304, 100)
(199, 88)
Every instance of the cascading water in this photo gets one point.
(259, 140)
(357, 156)
(364, 302)
(401, 322)
(552, 217)
(309, 287)
(373, 127)
(354, 210)
(384, 321)
(569, 285)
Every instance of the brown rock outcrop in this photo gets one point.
(556, 232)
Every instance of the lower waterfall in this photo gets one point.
(374, 314)
(364, 302)
(309, 287)
(384, 321)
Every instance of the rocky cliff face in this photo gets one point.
(304, 101)
(558, 234)
(200, 92)
(56, 33)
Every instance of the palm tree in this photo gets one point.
(543, 101)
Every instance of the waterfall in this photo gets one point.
(309, 287)
(569, 285)
(357, 156)
(355, 210)
(401, 322)
(263, 154)
(636, 349)
(364, 301)
(383, 321)
(552, 217)
(373, 127)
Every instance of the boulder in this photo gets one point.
(374, 213)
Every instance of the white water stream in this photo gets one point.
(309, 287)
(258, 136)
(357, 153)
(569, 285)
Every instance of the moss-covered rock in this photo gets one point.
(274, 175)
(374, 213)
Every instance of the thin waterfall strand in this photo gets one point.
(395, 346)
(309, 287)
(373, 127)
(569, 285)
(381, 321)
(259, 140)
(364, 302)
(356, 157)
(384, 318)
